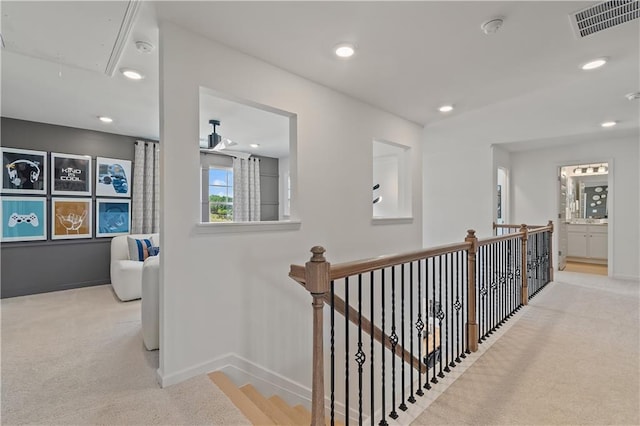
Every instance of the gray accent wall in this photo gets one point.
(43, 266)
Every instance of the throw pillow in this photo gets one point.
(139, 248)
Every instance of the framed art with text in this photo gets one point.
(113, 177)
(113, 217)
(70, 218)
(70, 174)
(23, 171)
(24, 218)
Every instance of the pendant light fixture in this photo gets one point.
(214, 138)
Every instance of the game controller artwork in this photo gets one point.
(24, 219)
(23, 171)
(113, 177)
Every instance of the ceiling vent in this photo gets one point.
(604, 15)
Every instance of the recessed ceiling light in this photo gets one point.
(596, 63)
(105, 119)
(446, 108)
(131, 74)
(608, 124)
(254, 145)
(345, 50)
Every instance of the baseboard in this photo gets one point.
(187, 373)
(242, 371)
(626, 277)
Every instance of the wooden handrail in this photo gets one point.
(491, 240)
(347, 269)
(540, 229)
(317, 276)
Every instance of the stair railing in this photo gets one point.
(416, 316)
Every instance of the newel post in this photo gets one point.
(472, 325)
(550, 224)
(524, 272)
(317, 280)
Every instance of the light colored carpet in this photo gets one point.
(77, 357)
(573, 357)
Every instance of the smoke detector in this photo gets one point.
(634, 96)
(492, 26)
(144, 46)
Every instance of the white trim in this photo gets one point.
(187, 373)
(391, 220)
(236, 227)
(128, 21)
(626, 277)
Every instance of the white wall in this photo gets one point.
(535, 192)
(226, 293)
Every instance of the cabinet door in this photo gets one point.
(598, 248)
(577, 244)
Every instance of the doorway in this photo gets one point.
(502, 202)
(583, 218)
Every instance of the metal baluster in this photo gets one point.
(372, 402)
(394, 342)
(411, 399)
(402, 406)
(492, 289)
(440, 313)
(333, 355)
(360, 356)
(346, 350)
(458, 306)
(419, 328)
(430, 327)
(446, 318)
(383, 388)
(433, 290)
(482, 292)
(464, 289)
(450, 283)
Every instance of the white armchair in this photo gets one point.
(126, 274)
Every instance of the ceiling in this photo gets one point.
(521, 85)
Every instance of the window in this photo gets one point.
(220, 194)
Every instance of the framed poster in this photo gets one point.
(70, 174)
(113, 217)
(113, 177)
(70, 218)
(23, 171)
(24, 218)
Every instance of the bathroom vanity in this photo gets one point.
(587, 242)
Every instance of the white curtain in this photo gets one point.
(246, 190)
(146, 189)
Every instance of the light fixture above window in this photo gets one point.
(577, 171)
(609, 123)
(596, 63)
(446, 108)
(602, 169)
(344, 50)
(131, 74)
(105, 119)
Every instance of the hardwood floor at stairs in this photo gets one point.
(264, 411)
(278, 416)
(240, 400)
